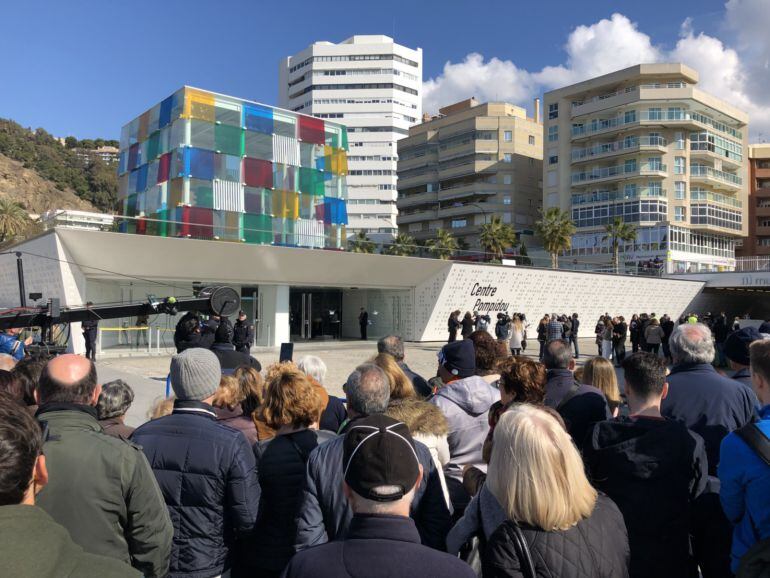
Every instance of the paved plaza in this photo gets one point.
(147, 375)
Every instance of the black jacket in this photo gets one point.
(653, 469)
(418, 382)
(325, 514)
(596, 547)
(334, 415)
(281, 465)
(377, 546)
(467, 324)
(243, 333)
(207, 474)
(183, 342)
(230, 359)
(584, 409)
(708, 403)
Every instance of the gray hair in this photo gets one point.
(392, 345)
(557, 354)
(368, 390)
(115, 399)
(312, 366)
(692, 343)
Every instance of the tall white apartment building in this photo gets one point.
(372, 85)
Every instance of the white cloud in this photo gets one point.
(738, 73)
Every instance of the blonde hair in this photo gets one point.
(290, 398)
(536, 472)
(400, 385)
(161, 407)
(229, 393)
(600, 373)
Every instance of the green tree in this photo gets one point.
(523, 255)
(555, 228)
(618, 232)
(496, 237)
(71, 142)
(403, 245)
(361, 243)
(444, 245)
(13, 220)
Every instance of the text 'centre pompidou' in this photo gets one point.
(208, 166)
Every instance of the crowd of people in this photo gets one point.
(499, 465)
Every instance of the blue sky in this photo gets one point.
(87, 67)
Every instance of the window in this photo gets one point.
(680, 165)
(531, 140)
(508, 157)
(507, 201)
(507, 136)
(764, 223)
(553, 133)
(680, 213)
(507, 179)
(629, 116)
(553, 110)
(655, 114)
(679, 140)
(680, 190)
(459, 223)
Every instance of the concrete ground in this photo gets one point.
(147, 375)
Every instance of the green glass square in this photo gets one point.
(201, 194)
(157, 224)
(228, 139)
(311, 181)
(257, 228)
(153, 146)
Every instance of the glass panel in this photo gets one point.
(164, 164)
(227, 225)
(227, 113)
(199, 163)
(257, 228)
(257, 173)
(202, 134)
(311, 130)
(155, 198)
(144, 123)
(152, 173)
(284, 125)
(258, 145)
(257, 200)
(228, 139)
(177, 137)
(199, 105)
(201, 194)
(284, 177)
(307, 206)
(164, 117)
(141, 178)
(227, 167)
(258, 118)
(311, 181)
(153, 146)
(176, 193)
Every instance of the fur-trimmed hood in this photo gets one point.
(419, 416)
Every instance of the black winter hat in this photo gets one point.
(379, 451)
(736, 347)
(459, 358)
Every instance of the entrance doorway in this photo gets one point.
(315, 314)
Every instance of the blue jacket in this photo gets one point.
(745, 480)
(377, 546)
(207, 474)
(708, 403)
(325, 515)
(11, 345)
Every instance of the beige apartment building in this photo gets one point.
(471, 162)
(646, 144)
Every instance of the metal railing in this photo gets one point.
(616, 195)
(696, 195)
(617, 170)
(616, 146)
(746, 264)
(703, 171)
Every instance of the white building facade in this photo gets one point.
(372, 85)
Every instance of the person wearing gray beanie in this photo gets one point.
(195, 374)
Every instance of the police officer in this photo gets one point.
(243, 334)
(89, 327)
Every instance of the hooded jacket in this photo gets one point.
(652, 469)
(579, 413)
(465, 403)
(34, 546)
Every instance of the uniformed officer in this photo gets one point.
(243, 334)
(90, 327)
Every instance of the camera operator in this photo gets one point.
(503, 327)
(12, 345)
(189, 333)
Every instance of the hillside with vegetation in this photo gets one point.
(39, 173)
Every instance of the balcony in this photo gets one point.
(715, 198)
(619, 172)
(419, 217)
(468, 190)
(702, 150)
(584, 106)
(655, 117)
(416, 200)
(715, 178)
(614, 195)
(626, 146)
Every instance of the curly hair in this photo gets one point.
(229, 393)
(486, 352)
(290, 398)
(524, 379)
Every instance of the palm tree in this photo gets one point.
(403, 245)
(13, 219)
(443, 245)
(555, 228)
(618, 231)
(496, 237)
(361, 243)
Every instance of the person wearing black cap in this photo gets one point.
(736, 350)
(381, 474)
(225, 351)
(465, 400)
(243, 333)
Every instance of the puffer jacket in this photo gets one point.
(207, 474)
(596, 547)
(465, 403)
(325, 514)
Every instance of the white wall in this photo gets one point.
(538, 291)
(275, 315)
